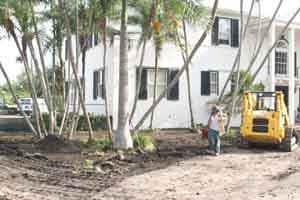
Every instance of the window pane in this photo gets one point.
(213, 82)
(160, 90)
(224, 29)
(150, 90)
(281, 62)
(100, 77)
(151, 76)
(161, 77)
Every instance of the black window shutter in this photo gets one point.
(215, 31)
(66, 49)
(96, 39)
(205, 83)
(103, 85)
(66, 88)
(143, 89)
(95, 84)
(90, 41)
(173, 93)
(234, 32)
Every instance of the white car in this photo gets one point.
(27, 105)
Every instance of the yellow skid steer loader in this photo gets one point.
(265, 120)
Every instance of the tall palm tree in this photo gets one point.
(23, 18)
(123, 137)
(73, 66)
(107, 10)
(145, 12)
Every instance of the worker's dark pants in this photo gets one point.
(214, 140)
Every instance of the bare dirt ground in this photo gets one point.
(179, 169)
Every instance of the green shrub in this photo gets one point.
(97, 121)
(144, 142)
(100, 145)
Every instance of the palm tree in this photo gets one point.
(123, 139)
(143, 17)
(23, 18)
(73, 66)
(108, 8)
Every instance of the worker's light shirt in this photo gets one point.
(214, 123)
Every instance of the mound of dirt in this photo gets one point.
(54, 144)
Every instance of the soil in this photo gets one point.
(178, 169)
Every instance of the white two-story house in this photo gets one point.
(208, 72)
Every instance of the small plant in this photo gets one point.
(144, 142)
(99, 145)
(88, 164)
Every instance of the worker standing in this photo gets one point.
(215, 129)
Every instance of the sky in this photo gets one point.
(8, 51)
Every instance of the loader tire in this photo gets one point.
(290, 141)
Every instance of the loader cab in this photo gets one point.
(265, 101)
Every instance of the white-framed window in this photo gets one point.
(281, 58)
(98, 84)
(213, 82)
(101, 84)
(162, 81)
(164, 77)
(224, 31)
(209, 83)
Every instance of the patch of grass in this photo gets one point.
(144, 142)
(88, 164)
(99, 145)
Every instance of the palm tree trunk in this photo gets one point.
(139, 79)
(54, 94)
(123, 139)
(44, 89)
(188, 74)
(62, 74)
(17, 102)
(236, 89)
(73, 66)
(108, 122)
(66, 110)
(48, 98)
(27, 70)
(30, 74)
(155, 85)
(183, 69)
(75, 120)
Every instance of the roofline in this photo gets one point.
(237, 14)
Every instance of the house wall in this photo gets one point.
(175, 113)
(169, 113)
